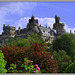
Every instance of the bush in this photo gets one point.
(35, 52)
(20, 42)
(62, 59)
(41, 57)
(13, 55)
(65, 42)
(2, 63)
(70, 68)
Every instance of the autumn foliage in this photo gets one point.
(35, 53)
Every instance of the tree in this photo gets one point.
(35, 37)
(65, 42)
(62, 59)
(20, 42)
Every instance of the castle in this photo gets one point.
(33, 26)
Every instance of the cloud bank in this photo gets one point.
(9, 11)
(43, 21)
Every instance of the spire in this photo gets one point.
(3, 25)
(32, 16)
(55, 15)
(46, 25)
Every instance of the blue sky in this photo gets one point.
(17, 13)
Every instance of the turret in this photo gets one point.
(3, 26)
(59, 27)
(19, 28)
(57, 19)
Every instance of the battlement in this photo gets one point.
(33, 20)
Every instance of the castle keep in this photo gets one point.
(33, 26)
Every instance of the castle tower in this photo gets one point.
(9, 31)
(32, 26)
(3, 27)
(59, 27)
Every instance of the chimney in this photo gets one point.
(19, 28)
(40, 25)
(46, 25)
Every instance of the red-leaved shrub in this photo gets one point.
(41, 57)
(35, 53)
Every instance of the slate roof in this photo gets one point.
(44, 30)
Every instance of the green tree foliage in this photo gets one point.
(19, 42)
(35, 38)
(2, 63)
(26, 42)
(65, 42)
(62, 59)
(70, 68)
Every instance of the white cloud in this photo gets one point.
(48, 21)
(68, 29)
(21, 22)
(43, 21)
(18, 8)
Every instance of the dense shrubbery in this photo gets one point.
(27, 67)
(13, 55)
(65, 42)
(51, 58)
(20, 42)
(2, 63)
(41, 57)
(62, 59)
(35, 52)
